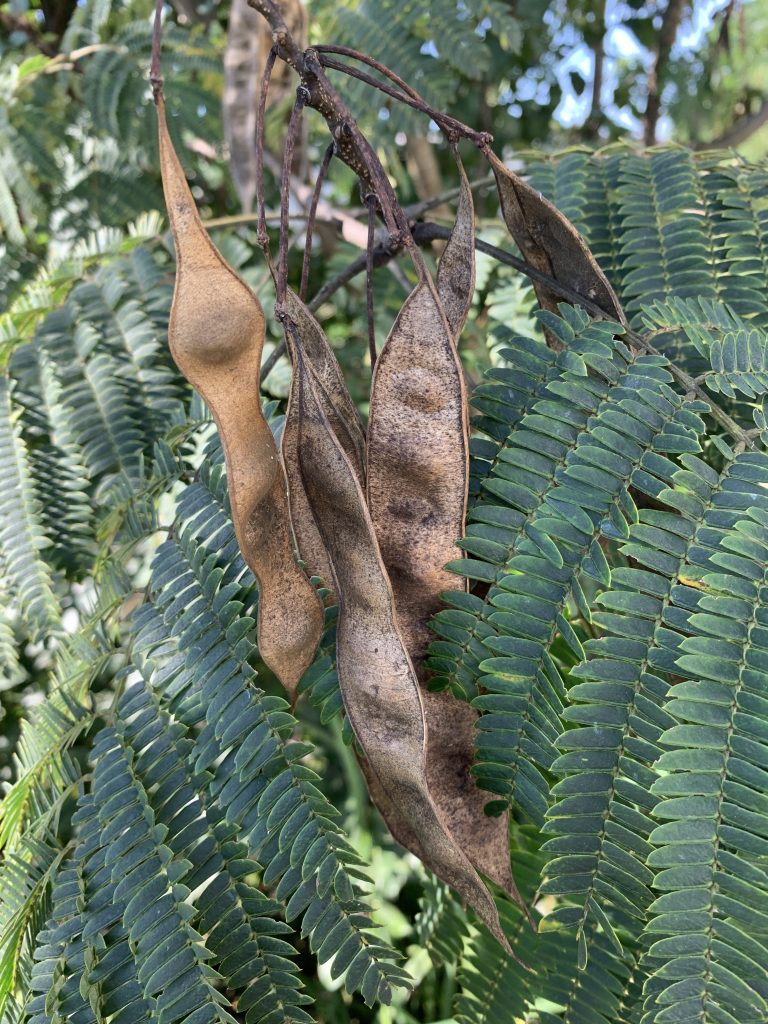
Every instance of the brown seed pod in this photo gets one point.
(216, 334)
(344, 419)
(417, 493)
(451, 722)
(550, 243)
(417, 458)
(456, 269)
(376, 677)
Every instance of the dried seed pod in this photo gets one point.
(456, 269)
(344, 419)
(417, 458)
(450, 754)
(216, 334)
(417, 493)
(377, 680)
(451, 722)
(550, 243)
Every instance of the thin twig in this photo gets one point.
(426, 233)
(347, 51)
(450, 125)
(333, 215)
(382, 254)
(261, 109)
(351, 230)
(311, 215)
(416, 210)
(274, 357)
(155, 74)
(285, 196)
(431, 232)
(371, 202)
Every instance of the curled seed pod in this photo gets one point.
(550, 243)
(216, 334)
(376, 677)
(456, 269)
(345, 421)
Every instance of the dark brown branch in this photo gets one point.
(346, 51)
(741, 130)
(667, 35)
(450, 125)
(351, 146)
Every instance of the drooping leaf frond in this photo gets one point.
(202, 668)
(442, 923)
(25, 876)
(21, 536)
(736, 351)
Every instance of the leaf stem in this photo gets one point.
(450, 125)
(311, 215)
(371, 202)
(155, 73)
(261, 206)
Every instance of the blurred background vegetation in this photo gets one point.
(79, 182)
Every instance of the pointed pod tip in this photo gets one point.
(504, 941)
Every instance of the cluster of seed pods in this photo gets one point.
(375, 515)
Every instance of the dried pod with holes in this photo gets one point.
(377, 679)
(216, 334)
(456, 269)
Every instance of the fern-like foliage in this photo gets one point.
(737, 352)
(668, 526)
(669, 225)
(259, 780)
(173, 844)
(21, 536)
(560, 484)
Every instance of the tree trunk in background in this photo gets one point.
(667, 35)
(248, 43)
